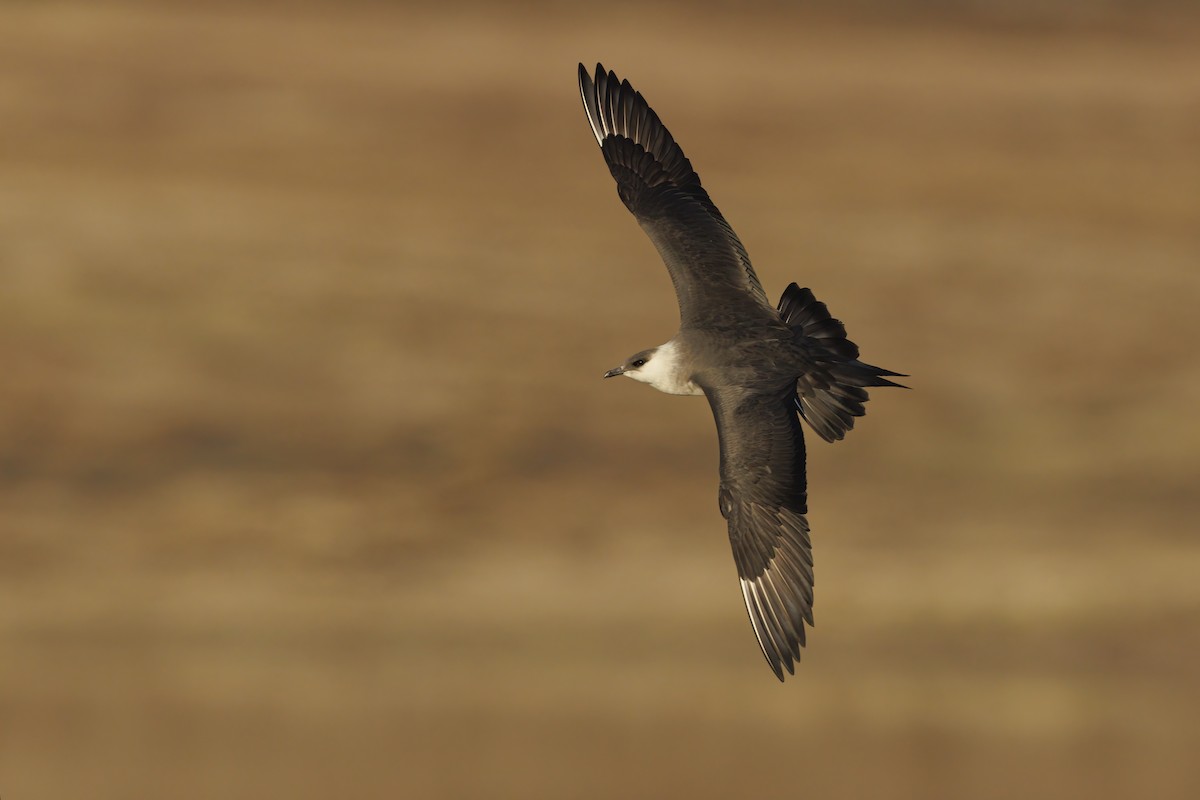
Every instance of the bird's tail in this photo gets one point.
(832, 393)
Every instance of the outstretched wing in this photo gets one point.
(764, 498)
(709, 267)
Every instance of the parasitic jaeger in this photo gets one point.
(763, 368)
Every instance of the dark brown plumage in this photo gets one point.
(762, 368)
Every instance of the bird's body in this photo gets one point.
(761, 367)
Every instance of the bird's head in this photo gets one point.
(662, 367)
(635, 366)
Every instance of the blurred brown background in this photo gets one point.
(309, 485)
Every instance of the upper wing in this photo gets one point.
(764, 498)
(709, 267)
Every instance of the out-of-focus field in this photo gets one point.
(310, 488)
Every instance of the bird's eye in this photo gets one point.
(638, 362)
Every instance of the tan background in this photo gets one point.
(310, 488)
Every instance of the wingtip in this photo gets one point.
(780, 638)
(778, 665)
(595, 76)
(589, 92)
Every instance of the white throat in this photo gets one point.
(667, 372)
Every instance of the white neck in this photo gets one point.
(667, 372)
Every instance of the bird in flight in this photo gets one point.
(763, 368)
